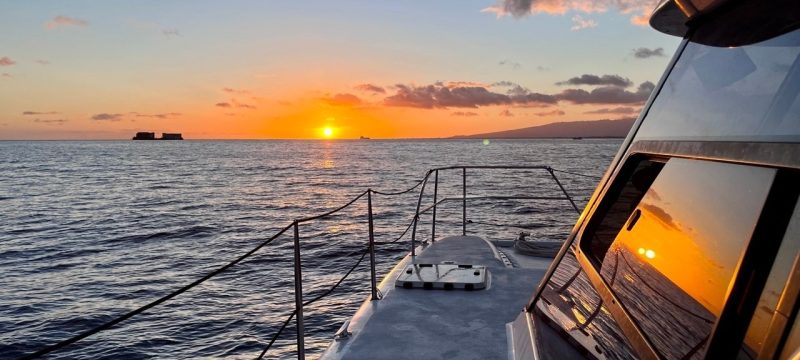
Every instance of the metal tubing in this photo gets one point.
(518, 167)
(430, 207)
(464, 202)
(416, 214)
(298, 294)
(371, 247)
(435, 194)
(550, 170)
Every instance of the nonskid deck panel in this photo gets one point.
(418, 324)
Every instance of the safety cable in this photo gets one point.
(309, 302)
(119, 319)
(577, 174)
(160, 300)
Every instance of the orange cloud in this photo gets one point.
(343, 100)
(518, 8)
(65, 21)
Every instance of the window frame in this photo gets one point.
(756, 259)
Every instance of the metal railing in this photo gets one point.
(464, 197)
(300, 304)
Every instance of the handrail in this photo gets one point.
(299, 303)
(416, 216)
(130, 314)
(551, 171)
(331, 212)
(401, 192)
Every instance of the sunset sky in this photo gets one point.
(289, 69)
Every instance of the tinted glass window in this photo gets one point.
(672, 263)
(730, 93)
(768, 302)
(572, 321)
(610, 217)
(792, 347)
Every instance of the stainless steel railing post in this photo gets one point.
(464, 201)
(435, 194)
(416, 214)
(550, 170)
(298, 294)
(373, 279)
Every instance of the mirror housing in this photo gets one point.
(726, 23)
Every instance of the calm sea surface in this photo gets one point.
(91, 230)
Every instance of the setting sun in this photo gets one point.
(328, 132)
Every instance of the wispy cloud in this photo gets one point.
(579, 23)
(370, 88)
(42, 62)
(345, 99)
(170, 32)
(608, 95)
(169, 115)
(6, 75)
(512, 64)
(107, 117)
(6, 61)
(506, 113)
(50, 121)
(464, 113)
(589, 79)
(154, 27)
(460, 84)
(639, 10)
(555, 112)
(242, 105)
(645, 53)
(504, 83)
(32, 113)
(65, 21)
(235, 91)
(235, 104)
(441, 95)
(609, 89)
(617, 110)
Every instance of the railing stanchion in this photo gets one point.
(416, 215)
(371, 247)
(464, 201)
(550, 170)
(435, 194)
(298, 294)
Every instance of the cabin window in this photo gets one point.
(731, 94)
(760, 336)
(636, 179)
(571, 320)
(792, 346)
(671, 263)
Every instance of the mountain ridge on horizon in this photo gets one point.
(605, 128)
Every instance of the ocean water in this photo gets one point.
(91, 230)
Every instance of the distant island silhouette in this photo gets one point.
(568, 129)
(144, 135)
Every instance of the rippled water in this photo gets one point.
(91, 230)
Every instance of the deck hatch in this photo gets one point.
(443, 276)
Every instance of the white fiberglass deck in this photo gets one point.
(441, 324)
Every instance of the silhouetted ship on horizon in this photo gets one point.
(143, 135)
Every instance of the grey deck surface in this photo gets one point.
(439, 324)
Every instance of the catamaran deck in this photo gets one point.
(427, 324)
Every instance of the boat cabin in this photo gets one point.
(689, 247)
